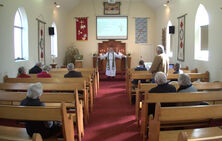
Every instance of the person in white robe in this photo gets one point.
(111, 63)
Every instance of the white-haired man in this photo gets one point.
(71, 72)
(162, 84)
(46, 129)
(162, 87)
(160, 62)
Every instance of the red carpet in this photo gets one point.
(113, 117)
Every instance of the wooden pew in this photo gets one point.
(137, 75)
(173, 98)
(27, 112)
(85, 72)
(142, 87)
(184, 115)
(55, 87)
(184, 135)
(51, 99)
(56, 80)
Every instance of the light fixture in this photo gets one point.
(167, 3)
(56, 5)
(111, 1)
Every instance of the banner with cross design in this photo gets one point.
(81, 29)
(181, 38)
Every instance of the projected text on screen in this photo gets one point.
(112, 28)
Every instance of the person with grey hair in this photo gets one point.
(45, 72)
(177, 69)
(160, 62)
(185, 84)
(22, 73)
(162, 87)
(162, 84)
(46, 129)
(71, 72)
(36, 69)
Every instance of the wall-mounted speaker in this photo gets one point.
(171, 29)
(51, 30)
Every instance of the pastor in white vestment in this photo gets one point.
(111, 63)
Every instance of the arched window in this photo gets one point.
(201, 34)
(20, 35)
(168, 41)
(54, 42)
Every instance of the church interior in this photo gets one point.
(59, 32)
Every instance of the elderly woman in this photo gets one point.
(185, 84)
(162, 84)
(45, 72)
(46, 129)
(71, 72)
(22, 73)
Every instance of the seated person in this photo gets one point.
(141, 67)
(177, 69)
(36, 69)
(71, 72)
(46, 129)
(162, 87)
(22, 73)
(185, 84)
(45, 72)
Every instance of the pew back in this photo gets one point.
(53, 114)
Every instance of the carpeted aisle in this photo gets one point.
(113, 117)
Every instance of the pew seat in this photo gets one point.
(19, 134)
(191, 133)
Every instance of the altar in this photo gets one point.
(121, 64)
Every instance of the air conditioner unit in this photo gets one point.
(111, 1)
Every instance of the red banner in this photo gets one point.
(81, 29)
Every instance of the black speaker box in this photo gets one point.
(51, 30)
(171, 29)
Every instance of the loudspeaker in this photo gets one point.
(171, 29)
(51, 30)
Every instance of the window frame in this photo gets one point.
(54, 39)
(24, 35)
(202, 55)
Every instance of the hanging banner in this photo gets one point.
(81, 29)
(41, 41)
(141, 30)
(181, 38)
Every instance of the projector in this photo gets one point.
(111, 1)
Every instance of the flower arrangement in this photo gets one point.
(70, 55)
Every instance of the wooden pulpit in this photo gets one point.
(121, 64)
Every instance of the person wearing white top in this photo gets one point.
(111, 63)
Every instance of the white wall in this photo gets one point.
(94, 8)
(180, 7)
(42, 9)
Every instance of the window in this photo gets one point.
(54, 46)
(20, 35)
(169, 41)
(201, 34)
